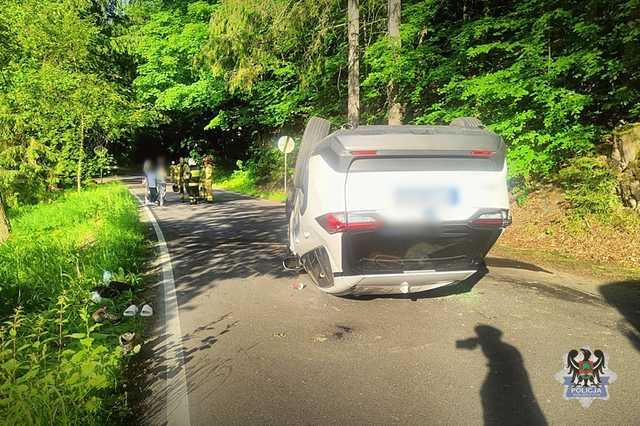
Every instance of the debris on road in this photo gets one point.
(298, 286)
(320, 339)
(280, 334)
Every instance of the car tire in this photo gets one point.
(467, 123)
(317, 128)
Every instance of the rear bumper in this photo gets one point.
(410, 282)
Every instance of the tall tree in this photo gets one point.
(395, 108)
(61, 93)
(4, 222)
(354, 63)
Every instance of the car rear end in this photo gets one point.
(422, 207)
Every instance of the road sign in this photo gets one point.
(286, 144)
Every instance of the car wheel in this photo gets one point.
(317, 128)
(467, 123)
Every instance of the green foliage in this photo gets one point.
(56, 365)
(60, 95)
(266, 163)
(551, 77)
(590, 185)
(101, 163)
(166, 41)
(243, 181)
(546, 75)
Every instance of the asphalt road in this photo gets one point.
(257, 351)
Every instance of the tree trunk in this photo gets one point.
(395, 108)
(354, 63)
(80, 157)
(5, 228)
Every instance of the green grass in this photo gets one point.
(56, 365)
(241, 181)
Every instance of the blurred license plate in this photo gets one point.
(427, 197)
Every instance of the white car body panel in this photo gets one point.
(332, 190)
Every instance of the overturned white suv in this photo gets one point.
(396, 209)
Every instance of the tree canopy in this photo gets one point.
(193, 76)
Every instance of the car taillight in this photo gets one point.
(500, 218)
(352, 221)
(482, 153)
(364, 153)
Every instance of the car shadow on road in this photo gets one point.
(502, 262)
(506, 393)
(625, 297)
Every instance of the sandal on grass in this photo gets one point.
(131, 311)
(146, 311)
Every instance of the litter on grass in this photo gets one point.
(102, 316)
(95, 297)
(130, 342)
(112, 290)
(146, 311)
(131, 311)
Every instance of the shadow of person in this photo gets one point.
(625, 296)
(506, 394)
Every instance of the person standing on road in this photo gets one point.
(150, 183)
(174, 170)
(161, 177)
(183, 171)
(207, 178)
(193, 178)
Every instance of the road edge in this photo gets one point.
(176, 388)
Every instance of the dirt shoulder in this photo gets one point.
(545, 233)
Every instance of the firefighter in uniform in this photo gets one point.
(175, 175)
(183, 170)
(193, 177)
(207, 178)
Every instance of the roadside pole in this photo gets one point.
(286, 145)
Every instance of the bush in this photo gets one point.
(265, 164)
(590, 185)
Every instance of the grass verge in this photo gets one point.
(241, 181)
(56, 365)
